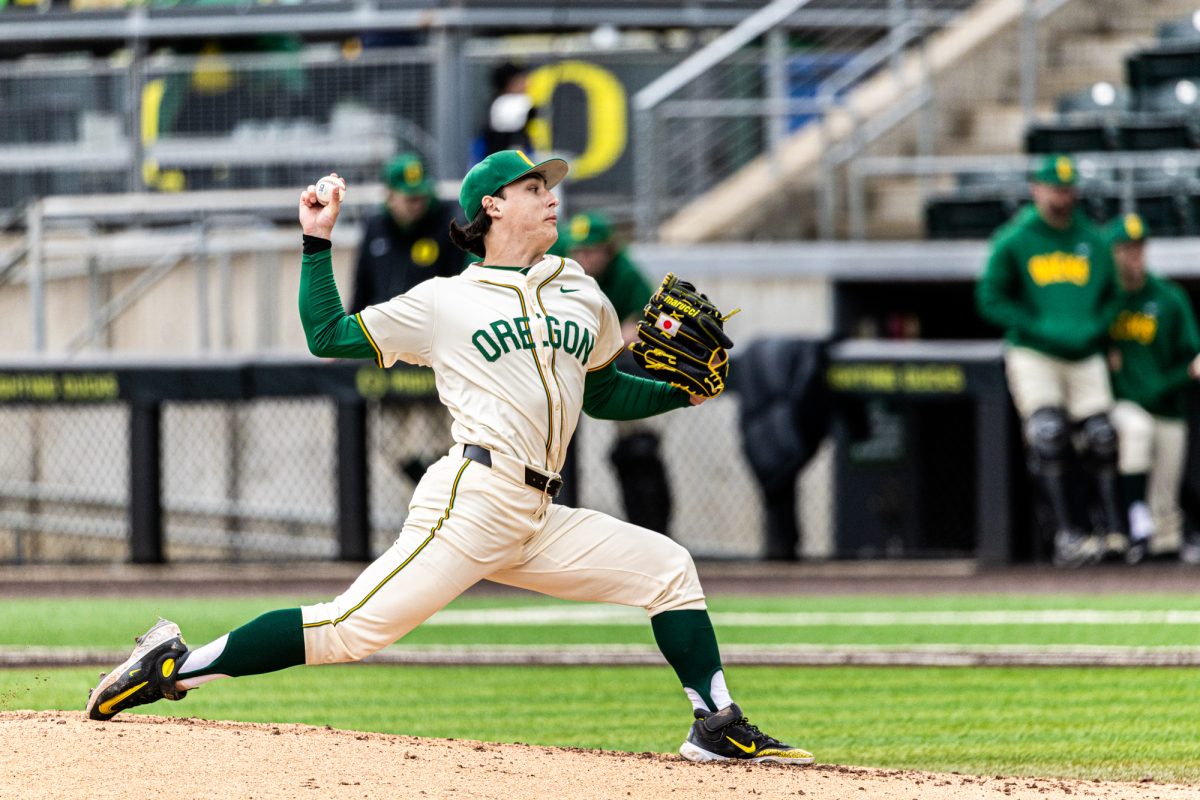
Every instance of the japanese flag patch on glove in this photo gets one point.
(682, 339)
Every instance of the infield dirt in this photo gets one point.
(59, 754)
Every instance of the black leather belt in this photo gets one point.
(533, 478)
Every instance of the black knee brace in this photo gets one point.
(1049, 439)
(1100, 452)
(1099, 441)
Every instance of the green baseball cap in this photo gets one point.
(499, 170)
(406, 173)
(588, 229)
(1127, 228)
(1056, 170)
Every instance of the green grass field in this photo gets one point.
(1089, 723)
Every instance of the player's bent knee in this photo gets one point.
(680, 588)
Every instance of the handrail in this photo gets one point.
(714, 53)
(119, 304)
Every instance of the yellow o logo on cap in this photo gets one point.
(1134, 228)
(1064, 169)
(424, 252)
(413, 173)
(581, 226)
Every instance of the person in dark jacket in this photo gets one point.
(408, 241)
(405, 244)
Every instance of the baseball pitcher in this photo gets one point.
(519, 344)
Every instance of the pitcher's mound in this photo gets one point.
(59, 754)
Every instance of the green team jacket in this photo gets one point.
(1157, 338)
(1053, 291)
(625, 287)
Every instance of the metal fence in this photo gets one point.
(266, 478)
(787, 67)
(177, 123)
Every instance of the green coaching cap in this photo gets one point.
(499, 170)
(588, 229)
(406, 173)
(1127, 228)
(1056, 170)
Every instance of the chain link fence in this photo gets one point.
(258, 479)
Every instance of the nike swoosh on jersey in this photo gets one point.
(565, 290)
(748, 750)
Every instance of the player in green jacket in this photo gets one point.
(1050, 283)
(1155, 357)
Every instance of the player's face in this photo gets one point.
(1055, 203)
(1131, 263)
(530, 210)
(407, 208)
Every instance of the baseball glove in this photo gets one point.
(682, 339)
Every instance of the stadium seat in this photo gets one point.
(1067, 137)
(1178, 98)
(1097, 100)
(1164, 208)
(1164, 213)
(1165, 64)
(1142, 133)
(1101, 206)
(956, 217)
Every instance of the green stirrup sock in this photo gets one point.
(687, 641)
(268, 643)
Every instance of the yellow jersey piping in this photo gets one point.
(432, 532)
(378, 355)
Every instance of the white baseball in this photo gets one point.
(325, 188)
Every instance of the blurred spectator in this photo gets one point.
(509, 113)
(1050, 283)
(1155, 356)
(645, 491)
(405, 244)
(408, 241)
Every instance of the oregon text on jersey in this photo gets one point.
(569, 336)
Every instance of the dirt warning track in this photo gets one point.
(58, 754)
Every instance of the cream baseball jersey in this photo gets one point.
(510, 350)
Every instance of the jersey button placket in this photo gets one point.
(545, 354)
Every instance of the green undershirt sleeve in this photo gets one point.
(611, 394)
(330, 332)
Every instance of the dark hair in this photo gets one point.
(469, 238)
(501, 76)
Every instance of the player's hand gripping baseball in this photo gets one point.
(317, 219)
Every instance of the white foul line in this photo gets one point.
(616, 615)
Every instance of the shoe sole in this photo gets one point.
(699, 755)
(159, 633)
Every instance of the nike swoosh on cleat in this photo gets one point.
(747, 750)
(107, 706)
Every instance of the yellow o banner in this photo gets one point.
(607, 128)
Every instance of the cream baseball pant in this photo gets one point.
(1081, 388)
(1156, 446)
(467, 522)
